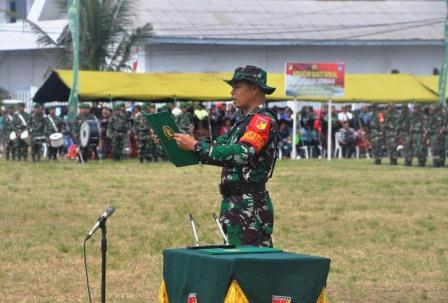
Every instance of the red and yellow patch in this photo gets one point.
(192, 298)
(257, 132)
(281, 299)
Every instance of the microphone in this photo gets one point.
(106, 214)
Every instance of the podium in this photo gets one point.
(239, 277)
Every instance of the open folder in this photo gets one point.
(164, 126)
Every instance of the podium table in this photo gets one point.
(242, 275)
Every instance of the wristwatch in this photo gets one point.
(197, 147)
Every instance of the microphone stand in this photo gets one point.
(103, 261)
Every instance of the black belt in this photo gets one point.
(241, 188)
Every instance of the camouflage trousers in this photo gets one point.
(36, 151)
(10, 149)
(147, 149)
(248, 219)
(407, 146)
(21, 149)
(377, 147)
(418, 147)
(117, 147)
(391, 145)
(438, 148)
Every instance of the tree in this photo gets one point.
(106, 35)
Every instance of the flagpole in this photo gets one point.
(443, 71)
(73, 17)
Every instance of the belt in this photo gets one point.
(241, 188)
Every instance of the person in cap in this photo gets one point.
(22, 121)
(247, 154)
(53, 124)
(8, 129)
(185, 119)
(84, 152)
(118, 131)
(37, 131)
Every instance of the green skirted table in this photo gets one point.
(242, 275)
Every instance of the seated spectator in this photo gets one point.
(309, 138)
(362, 141)
(226, 126)
(347, 140)
(285, 144)
(345, 116)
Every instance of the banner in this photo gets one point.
(315, 79)
(73, 20)
(443, 71)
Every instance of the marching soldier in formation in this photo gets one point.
(84, 153)
(437, 126)
(21, 126)
(391, 133)
(53, 124)
(9, 128)
(37, 131)
(118, 131)
(404, 125)
(146, 146)
(376, 134)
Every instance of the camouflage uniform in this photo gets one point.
(376, 135)
(37, 125)
(391, 133)
(9, 127)
(21, 126)
(247, 154)
(404, 126)
(49, 130)
(76, 129)
(146, 146)
(436, 128)
(185, 122)
(419, 124)
(118, 129)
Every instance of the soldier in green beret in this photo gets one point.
(53, 124)
(9, 134)
(118, 131)
(437, 127)
(84, 152)
(146, 146)
(185, 119)
(247, 154)
(21, 125)
(37, 130)
(419, 132)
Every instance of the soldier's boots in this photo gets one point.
(393, 161)
(408, 162)
(421, 163)
(377, 162)
(142, 160)
(438, 163)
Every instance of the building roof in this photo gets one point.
(294, 22)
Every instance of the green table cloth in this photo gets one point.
(260, 276)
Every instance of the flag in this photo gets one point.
(73, 20)
(443, 71)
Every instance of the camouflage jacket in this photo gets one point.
(49, 128)
(247, 152)
(185, 122)
(419, 122)
(437, 123)
(391, 125)
(404, 122)
(79, 120)
(37, 124)
(8, 124)
(118, 125)
(141, 127)
(19, 126)
(375, 124)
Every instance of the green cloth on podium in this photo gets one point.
(165, 127)
(260, 275)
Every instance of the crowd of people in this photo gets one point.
(409, 131)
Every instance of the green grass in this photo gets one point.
(385, 228)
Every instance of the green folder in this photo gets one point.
(164, 126)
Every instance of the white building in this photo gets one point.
(218, 35)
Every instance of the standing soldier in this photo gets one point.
(9, 128)
(146, 146)
(118, 131)
(185, 120)
(21, 125)
(391, 133)
(53, 124)
(37, 130)
(247, 154)
(84, 153)
(404, 126)
(419, 131)
(376, 134)
(436, 128)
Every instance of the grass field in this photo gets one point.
(385, 228)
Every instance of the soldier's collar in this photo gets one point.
(253, 111)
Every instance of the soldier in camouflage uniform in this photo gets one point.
(84, 115)
(404, 125)
(391, 133)
(53, 124)
(9, 127)
(118, 131)
(37, 130)
(247, 154)
(376, 134)
(146, 146)
(419, 131)
(185, 120)
(21, 121)
(437, 128)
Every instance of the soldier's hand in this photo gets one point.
(185, 142)
(154, 137)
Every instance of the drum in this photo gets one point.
(12, 136)
(25, 136)
(90, 133)
(39, 140)
(56, 140)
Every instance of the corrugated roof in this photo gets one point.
(277, 20)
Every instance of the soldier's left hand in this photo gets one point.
(185, 142)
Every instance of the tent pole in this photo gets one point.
(294, 130)
(329, 134)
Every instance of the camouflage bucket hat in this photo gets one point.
(252, 74)
(84, 106)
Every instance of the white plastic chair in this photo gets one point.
(337, 146)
